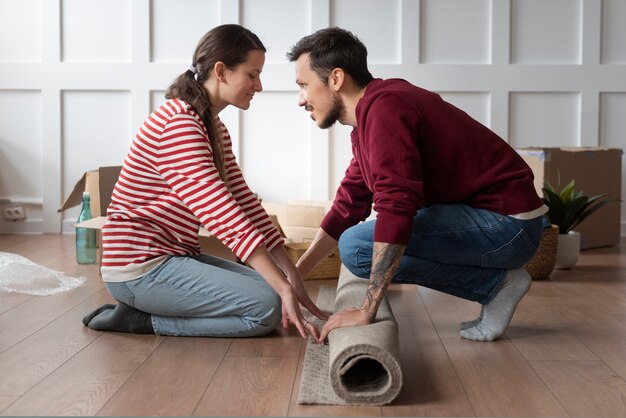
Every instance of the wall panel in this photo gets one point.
(474, 104)
(546, 31)
(21, 145)
(294, 24)
(274, 155)
(85, 73)
(613, 129)
(443, 43)
(95, 30)
(20, 31)
(376, 23)
(177, 25)
(545, 119)
(613, 32)
(340, 155)
(96, 133)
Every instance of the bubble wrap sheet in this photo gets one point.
(360, 365)
(19, 274)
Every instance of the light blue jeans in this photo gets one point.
(455, 249)
(203, 296)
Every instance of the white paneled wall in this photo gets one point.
(443, 43)
(546, 32)
(77, 78)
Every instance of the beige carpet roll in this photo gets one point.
(360, 365)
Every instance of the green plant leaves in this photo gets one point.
(568, 208)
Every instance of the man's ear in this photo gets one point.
(336, 79)
(219, 69)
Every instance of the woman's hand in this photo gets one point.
(303, 296)
(291, 313)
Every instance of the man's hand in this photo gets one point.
(351, 317)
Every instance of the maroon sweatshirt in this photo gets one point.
(412, 149)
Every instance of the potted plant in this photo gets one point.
(567, 208)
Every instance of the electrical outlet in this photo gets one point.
(14, 213)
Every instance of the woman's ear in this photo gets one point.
(336, 79)
(219, 71)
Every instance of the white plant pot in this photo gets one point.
(567, 250)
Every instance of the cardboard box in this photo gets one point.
(296, 214)
(595, 171)
(99, 183)
(300, 222)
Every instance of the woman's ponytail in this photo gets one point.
(229, 44)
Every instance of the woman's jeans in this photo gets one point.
(455, 249)
(203, 296)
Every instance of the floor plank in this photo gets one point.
(9, 301)
(86, 382)
(258, 386)
(172, 380)
(539, 334)
(585, 388)
(607, 342)
(30, 316)
(6, 400)
(34, 358)
(447, 312)
(499, 382)
(279, 343)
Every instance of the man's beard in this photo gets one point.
(336, 111)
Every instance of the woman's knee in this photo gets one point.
(270, 312)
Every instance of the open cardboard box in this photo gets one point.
(596, 171)
(99, 183)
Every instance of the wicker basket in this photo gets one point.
(327, 269)
(542, 264)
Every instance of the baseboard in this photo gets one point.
(23, 227)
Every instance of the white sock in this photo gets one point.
(469, 324)
(497, 314)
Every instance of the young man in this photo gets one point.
(456, 207)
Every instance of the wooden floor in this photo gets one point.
(564, 353)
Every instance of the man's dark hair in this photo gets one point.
(332, 48)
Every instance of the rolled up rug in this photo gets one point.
(360, 365)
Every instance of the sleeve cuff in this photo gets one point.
(392, 228)
(273, 239)
(334, 225)
(246, 245)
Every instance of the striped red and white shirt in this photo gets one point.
(168, 187)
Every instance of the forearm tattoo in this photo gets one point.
(385, 261)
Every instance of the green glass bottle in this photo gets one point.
(85, 237)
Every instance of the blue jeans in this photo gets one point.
(203, 296)
(455, 249)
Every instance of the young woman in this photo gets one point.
(179, 174)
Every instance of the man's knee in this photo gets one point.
(352, 252)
